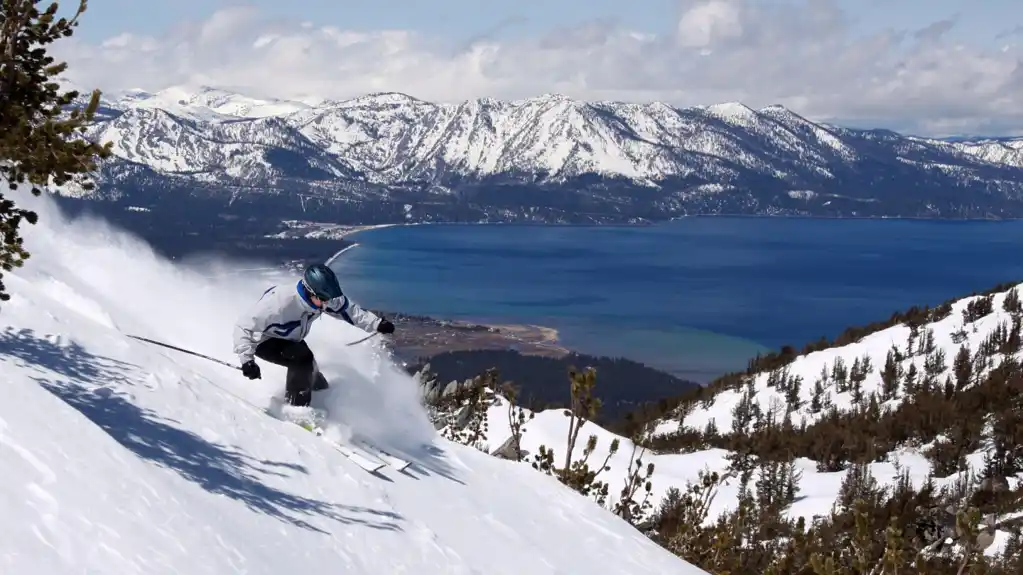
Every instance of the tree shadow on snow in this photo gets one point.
(218, 469)
(61, 356)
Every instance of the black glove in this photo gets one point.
(251, 370)
(385, 326)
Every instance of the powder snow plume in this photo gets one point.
(194, 304)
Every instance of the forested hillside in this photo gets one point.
(895, 448)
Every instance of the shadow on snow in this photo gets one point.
(217, 468)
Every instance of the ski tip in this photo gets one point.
(370, 464)
(375, 468)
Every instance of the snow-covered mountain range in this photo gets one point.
(392, 157)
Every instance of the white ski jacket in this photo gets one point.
(288, 314)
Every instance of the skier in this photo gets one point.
(275, 328)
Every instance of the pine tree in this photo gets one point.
(817, 397)
(928, 346)
(792, 390)
(37, 133)
(949, 388)
(867, 365)
(840, 375)
(1011, 303)
(934, 366)
(745, 412)
(910, 384)
(710, 431)
(873, 409)
(1013, 341)
(852, 380)
(860, 370)
(890, 377)
(963, 368)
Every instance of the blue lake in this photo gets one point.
(697, 297)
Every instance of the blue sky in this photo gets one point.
(977, 20)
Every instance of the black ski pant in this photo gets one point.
(299, 359)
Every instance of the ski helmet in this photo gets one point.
(321, 281)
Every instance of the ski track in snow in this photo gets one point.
(125, 458)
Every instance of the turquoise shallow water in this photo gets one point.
(698, 296)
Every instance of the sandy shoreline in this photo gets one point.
(547, 334)
(530, 334)
(426, 336)
(352, 230)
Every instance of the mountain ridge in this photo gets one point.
(388, 156)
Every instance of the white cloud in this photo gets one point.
(706, 22)
(804, 54)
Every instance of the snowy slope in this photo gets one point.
(207, 103)
(1008, 152)
(120, 457)
(252, 153)
(947, 336)
(818, 491)
(724, 157)
(875, 346)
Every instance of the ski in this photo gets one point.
(361, 457)
(391, 460)
(362, 452)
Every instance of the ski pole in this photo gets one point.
(213, 359)
(182, 350)
(363, 339)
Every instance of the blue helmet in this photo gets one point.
(321, 281)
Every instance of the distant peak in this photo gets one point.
(190, 92)
(373, 99)
(550, 100)
(388, 98)
(553, 96)
(131, 94)
(730, 108)
(485, 102)
(543, 98)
